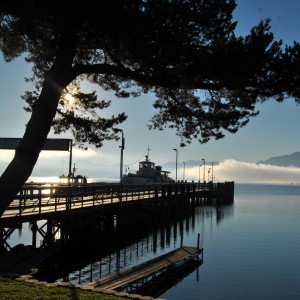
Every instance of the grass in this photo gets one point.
(18, 290)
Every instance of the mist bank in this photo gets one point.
(244, 172)
(95, 165)
(228, 170)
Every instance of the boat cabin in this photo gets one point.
(148, 172)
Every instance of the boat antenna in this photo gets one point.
(135, 162)
(155, 158)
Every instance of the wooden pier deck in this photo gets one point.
(36, 202)
(56, 204)
(143, 273)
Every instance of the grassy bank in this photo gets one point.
(19, 290)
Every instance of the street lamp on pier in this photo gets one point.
(122, 149)
(203, 170)
(199, 172)
(183, 170)
(176, 161)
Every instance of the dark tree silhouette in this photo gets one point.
(206, 80)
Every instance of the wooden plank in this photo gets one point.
(149, 268)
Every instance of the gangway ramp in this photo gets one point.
(141, 274)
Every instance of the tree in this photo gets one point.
(205, 78)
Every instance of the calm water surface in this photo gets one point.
(251, 248)
(253, 253)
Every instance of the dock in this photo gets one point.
(142, 274)
(37, 202)
(69, 209)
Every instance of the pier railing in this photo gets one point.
(55, 203)
(41, 199)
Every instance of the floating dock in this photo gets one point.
(140, 275)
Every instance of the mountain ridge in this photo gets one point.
(283, 160)
(289, 160)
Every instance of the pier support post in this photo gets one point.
(34, 229)
(2, 239)
(49, 236)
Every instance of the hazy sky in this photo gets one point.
(273, 132)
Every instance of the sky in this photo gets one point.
(273, 132)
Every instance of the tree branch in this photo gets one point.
(141, 78)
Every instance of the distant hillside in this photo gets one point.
(284, 160)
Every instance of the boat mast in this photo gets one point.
(147, 156)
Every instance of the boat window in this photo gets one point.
(144, 165)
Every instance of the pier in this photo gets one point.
(143, 274)
(66, 208)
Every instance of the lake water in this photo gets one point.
(251, 248)
(253, 253)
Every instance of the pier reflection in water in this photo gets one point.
(105, 251)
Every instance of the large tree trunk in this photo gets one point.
(34, 138)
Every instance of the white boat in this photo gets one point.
(148, 172)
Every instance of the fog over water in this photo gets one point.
(95, 166)
(244, 172)
(228, 170)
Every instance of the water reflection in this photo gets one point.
(161, 285)
(89, 257)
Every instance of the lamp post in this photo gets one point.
(203, 170)
(176, 161)
(121, 160)
(183, 170)
(199, 172)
